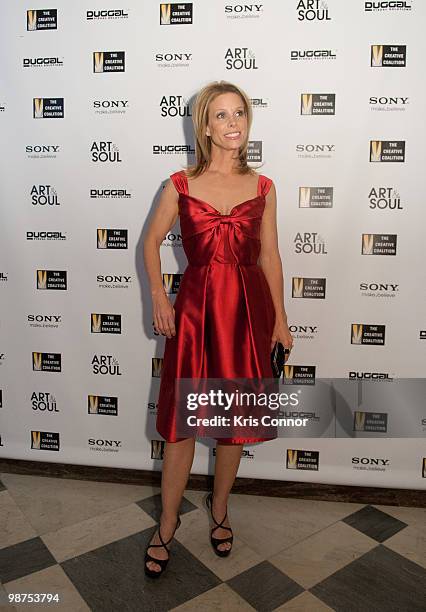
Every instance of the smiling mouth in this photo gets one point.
(233, 135)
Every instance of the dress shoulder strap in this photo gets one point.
(180, 181)
(264, 185)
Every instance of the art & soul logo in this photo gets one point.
(174, 106)
(44, 195)
(312, 10)
(310, 243)
(382, 198)
(105, 151)
(43, 401)
(105, 365)
(240, 58)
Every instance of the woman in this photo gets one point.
(229, 311)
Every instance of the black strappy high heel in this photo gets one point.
(216, 541)
(161, 562)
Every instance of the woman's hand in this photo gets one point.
(164, 315)
(282, 334)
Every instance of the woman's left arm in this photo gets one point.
(270, 262)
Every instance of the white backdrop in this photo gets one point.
(95, 115)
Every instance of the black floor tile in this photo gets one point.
(152, 506)
(380, 581)
(265, 587)
(24, 558)
(374, 523)
(112, 576)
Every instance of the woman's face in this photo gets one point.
(227, 125)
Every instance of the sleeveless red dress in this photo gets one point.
(224, 313)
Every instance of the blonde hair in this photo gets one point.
(200, 118)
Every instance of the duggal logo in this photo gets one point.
(48, 108)
(240, 58)
(364, 333)
(45, 440)
(41, 62)
(108, 61)
(317, 104)
(388, 56)
(311, 288)
(105, 323)
(105, 151)
(376, 422)
(51, 279)
(174, 106)
(43, 195)
(309, 243)
(315, 197)
(110, 193)
(313, 54)
(176, 14)
(172, 149)
(106, 14)
(379, 244)
(388, 5)
(312, 10)
(112, 238)
(46, 236)
(102, 404)
(259, 103)
(46, 362)
(46, 19)
(387, 150)
(298, 459)
(171, 282)
(384, 198)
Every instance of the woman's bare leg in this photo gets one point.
(228, 458)
(177, 462)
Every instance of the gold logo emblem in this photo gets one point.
(165, 13)
(376, 151)
(367, 244)
(41, 279)
(31, 20)
(93, 404)
(306, 104)
(96, 323)
(37, 361)
(102, 238)
(99, 61)
(304, 197)
(376, 55)
(297, 287)
(291, 458)
(357, 333)
(35, 439)
(359, 421)
(38, 108)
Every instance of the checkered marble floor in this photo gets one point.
(86, 540)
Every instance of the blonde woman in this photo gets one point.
(229, 311)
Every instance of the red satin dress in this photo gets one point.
(224, 313)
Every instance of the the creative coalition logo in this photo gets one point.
(102, 404)
(42, 62)
(388, 56)
(114, 281)
(304, 332)
(364, 333)
(310, 243)
(110, 107)
(112, 193)
(105, 323)
(46, 362)
(46, 19)
(108, 61)
(44, 321)
(259, 103)
(106, 14)
(44, 195)
(112, 238)
(106, 365)
(51, 279)
(315, 151)
(243, 11)
(299, 374)
(45, 235)
(176, 14)
(388, 103)
(157, 449)
(105, 151)
(387, 150)
(173, 60)
(387, 5)
(104, 445)
(315, 197)
(171, 149)
(378, 290)
(48, 108)
(240, 58)
(174, 106)
(374, 464)
(42, 151)
(376, 422)
(311, 288)
(384, 198)
(254, 151)
(298, 459)
(317, 104)
(313, 54)
(376, 376)
(43, 402)
(45, 440)
(312, 10)
(156, 367)
(171, 282)
(379, 244)
(173, 240)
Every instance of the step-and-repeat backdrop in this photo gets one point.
(95, 114)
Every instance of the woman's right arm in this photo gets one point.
(164, 218)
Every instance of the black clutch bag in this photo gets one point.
(278, 359)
